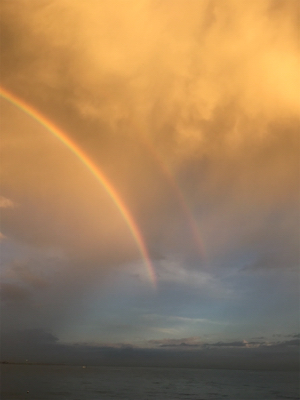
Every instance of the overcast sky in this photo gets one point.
(190, 109)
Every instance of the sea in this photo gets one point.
(43, 382)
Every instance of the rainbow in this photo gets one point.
(94, 169)
(180, 197)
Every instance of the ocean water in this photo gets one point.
(103, 383)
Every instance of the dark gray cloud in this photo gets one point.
(200, 344)
(13, 293)
(287, 343)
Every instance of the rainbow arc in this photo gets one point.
(94, 169)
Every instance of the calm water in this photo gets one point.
(102, 383)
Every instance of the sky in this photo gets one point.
(150, 182)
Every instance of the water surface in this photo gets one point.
(102, 383)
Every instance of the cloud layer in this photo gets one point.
(39, 346)
(191, 110)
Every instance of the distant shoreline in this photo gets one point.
(144, 366)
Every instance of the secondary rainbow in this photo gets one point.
(94, 169)
(180, 197)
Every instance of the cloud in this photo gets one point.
(191, 111)
(33, 337)
(161, 70)
(13, 293)
(40, 346)
(201, 343)
(27, 273)
(242, 343)
(173, 270)
(192, 342)
(2, 237)
(197, 82)
(287, 343)
(6, 203)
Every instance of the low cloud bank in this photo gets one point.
(38, 346)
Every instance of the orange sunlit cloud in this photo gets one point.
(188, 113)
